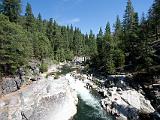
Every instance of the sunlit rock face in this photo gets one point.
(127, 104)
(47, 99)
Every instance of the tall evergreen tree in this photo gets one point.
(12, 9)
(107, 34)
(118, 34)
(39, 23)
(15, 47)
(42, 46)
(130, 26)
(128, 17)
(29, 23)
(77, 42)
(99, 40)
(51, 33)
(71, 34)
(118, 46)
(154, 19)
(118, 27)
(65, 39)
(49, 29)
(91, 44)
(145, 50)
(108, 53)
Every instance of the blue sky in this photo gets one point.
(85, 14)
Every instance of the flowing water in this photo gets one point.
(89, 107)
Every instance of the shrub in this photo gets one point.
(43, 67)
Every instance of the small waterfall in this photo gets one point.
(89, 107)
(84, 93)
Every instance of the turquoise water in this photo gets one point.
(89, 107)
(91, 111)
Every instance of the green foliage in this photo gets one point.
(41, 45)
(12, 9)
(107, 34)
(118, 35)
(99, 40)
(60, 55)
(91, 45)
(15, 48)
(39, 23)
(77, 42)
(130, 42)
(119, 58)
(154, 19)
(29, 18)
(43, 67)
(69, 55)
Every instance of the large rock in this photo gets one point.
(126, 104)
(9, 85)
(46, 99)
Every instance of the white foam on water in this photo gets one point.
(63, 112)
(83, 92)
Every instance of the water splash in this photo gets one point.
(83, 92)
(92, 109)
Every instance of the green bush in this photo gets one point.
(43, 67)
(69, 55)
(56, 76)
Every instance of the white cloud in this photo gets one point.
(75, 20)
(71, 21)
(72, 0)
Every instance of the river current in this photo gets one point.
(89, 107)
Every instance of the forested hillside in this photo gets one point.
(23, 38)
(133, 45)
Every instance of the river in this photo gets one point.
(89, 107)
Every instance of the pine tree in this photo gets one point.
(145, 50)
(127, 25)
(131, 31)
(15, 47)
(99, 41)
(42, 46)
(118, 34)
(128, 17)
(49, 30)
(154, 19)
(91, 44)
(29, 23)
(108, 51)
(107, 34)
(12, 9)
(70, 37)
(77, 42)
(51, 33)
(65, 39)
(57, 38)
(118, 45)
(39, 23)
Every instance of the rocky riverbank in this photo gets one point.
(123, 101)
(125, 104)
(45, 99)
(50, 97)
(118, 98)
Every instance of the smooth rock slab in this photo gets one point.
(47, 99)
(127, 104)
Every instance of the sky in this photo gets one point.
(85, 14)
